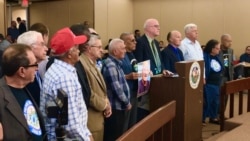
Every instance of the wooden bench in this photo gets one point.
(230, 89)
(155, 127)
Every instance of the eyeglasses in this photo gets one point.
(40, 44)
(133, 40)
(156, 26)
(99, 47)
(31, 65)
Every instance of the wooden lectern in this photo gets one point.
(187, 90)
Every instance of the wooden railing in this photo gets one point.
(155, 127)
(230, 89)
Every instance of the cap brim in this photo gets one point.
(80, 39)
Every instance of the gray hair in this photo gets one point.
(93, 38)
(147, 22)
(29, 37)
(189, 26)
(113, 44)
(125, 34)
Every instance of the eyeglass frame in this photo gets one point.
(40, 44)
(99, 47)
(31, 65)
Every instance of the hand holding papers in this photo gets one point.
(144, 77)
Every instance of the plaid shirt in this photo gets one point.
(117, 87)
(63, 75)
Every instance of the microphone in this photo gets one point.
(134, 65)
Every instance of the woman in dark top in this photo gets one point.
(213, 72)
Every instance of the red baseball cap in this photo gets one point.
(65, 39)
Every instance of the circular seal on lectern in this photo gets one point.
(194, 75)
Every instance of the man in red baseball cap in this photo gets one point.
(62, 75)
(64, 40)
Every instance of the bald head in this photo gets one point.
(129, 41)
(152, 28)
(226, 41)
(174, 38)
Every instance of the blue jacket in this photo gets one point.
(207, 60)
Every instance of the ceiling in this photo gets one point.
(16, 1)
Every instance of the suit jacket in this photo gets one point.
(82, 77)
(230, 62)
(98, 98)
(15, 127)
(22, 28)
(143, 52)
(169, 58)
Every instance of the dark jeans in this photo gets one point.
(211, 101)
(116, 124)
(133, 111)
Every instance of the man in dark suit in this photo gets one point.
(35, 40)
(172, 54)
(147, 48)
(19, 114)
(22, 26)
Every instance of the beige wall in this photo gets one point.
(59, 14)
(213, 17)
(2, 16)
(18, 12)
(112, 17)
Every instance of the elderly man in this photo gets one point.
(172, 54)
(190, 47)
(147, 48)
(118, 91)
(99, 106)
(39, 48)
(19, 115)
(62, 75)
(129, 66)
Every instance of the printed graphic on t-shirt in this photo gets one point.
(215, 65)
(32, 118)
(226, 56)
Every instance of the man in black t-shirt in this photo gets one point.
(19, 115)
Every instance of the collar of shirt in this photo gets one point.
(117, 62)
(149, 39)
(189, 41)
(173, 48)
(65, 65)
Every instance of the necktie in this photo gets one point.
(39, 80)
(156, 57)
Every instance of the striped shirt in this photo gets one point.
(117, 87)
(62, 75)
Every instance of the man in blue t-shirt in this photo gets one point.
(19, 115)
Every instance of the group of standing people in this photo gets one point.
(13, 31)
(102, 102)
